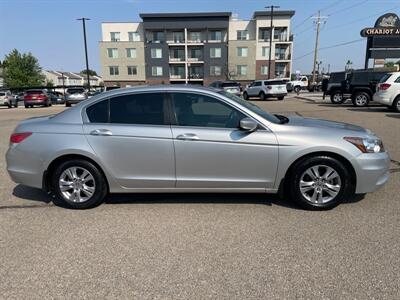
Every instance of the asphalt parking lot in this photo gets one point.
(204, 246)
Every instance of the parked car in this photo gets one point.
(36, 97)
(334, 87)
(229, 86)
(7, 99)
(75, 95)
(388, 91)
(164, 139)
(56, 98)
(274, 88)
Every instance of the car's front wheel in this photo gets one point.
(319, 183)
(245, 96)
(78, 184)
(281, 98)
(337, 97)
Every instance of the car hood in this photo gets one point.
(316, 123)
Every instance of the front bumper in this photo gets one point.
(74, 101)
(372, 170)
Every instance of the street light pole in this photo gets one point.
(86, 53)
(270, 38)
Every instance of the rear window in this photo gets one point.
(230, 84)
(385, 77)
(30, 92)
(337, 77)
(275, 82)
(75, 91)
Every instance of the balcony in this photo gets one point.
(283, 56)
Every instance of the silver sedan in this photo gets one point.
(192, 139)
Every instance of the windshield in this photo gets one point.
(30, 92)
(230, 84)
(75, 91)
(254, 108)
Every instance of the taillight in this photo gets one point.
(384, 86)
(16, 138)
(269, 87)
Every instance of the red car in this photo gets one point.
(36, 97)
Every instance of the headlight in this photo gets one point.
(366, 145)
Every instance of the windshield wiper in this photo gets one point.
(282, 119)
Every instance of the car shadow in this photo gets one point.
(37, 195)
(396, 116)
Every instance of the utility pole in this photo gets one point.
(318, 21)
(86, 54)
(270, 38)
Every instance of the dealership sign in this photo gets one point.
(387, 25)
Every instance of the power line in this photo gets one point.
(348, 7)
(331, 5)
(330, 47)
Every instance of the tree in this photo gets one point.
(389, 64)
(91, 72)
(22, 70)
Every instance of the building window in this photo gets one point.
(156, 53)
(115, 36)
(114, 70)
(264, 34)
(132, 70)
(131, 52)
(195, 37)
(134, 36)
(241, 70)
(215, 52)
(178, 37)
(216, 36)
(196, 54)
(265, 51)
(264, 70)
(112, 52)
(215, 71)
(280, 34)
(242, 51)
(242, 35)
(156, 71)
(158, 36)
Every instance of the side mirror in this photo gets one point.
(248, 124)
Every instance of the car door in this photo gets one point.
(133, 139)
(211, 152)
(255, 88)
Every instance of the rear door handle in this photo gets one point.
(101, 132)
(187, 137)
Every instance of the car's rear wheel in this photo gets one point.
(16, 104)
(281, 98)
(319, 183)
(67, 104)
(297, 89)
(337, 97)
(396, 104)
(361, 99)
(245, 96)
(78, 184)
(262, 96)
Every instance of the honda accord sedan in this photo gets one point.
(169, 139)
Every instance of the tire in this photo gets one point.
(67, 104)
(9, 106)
(337, 97)
(341, 182)
(262, 96)
(361, 99)
(245, 96)
(396, 104)
(26, 106)
(16, 104)
(297, 89)
(281, 98)
(96, 183)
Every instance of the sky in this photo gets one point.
(49, 29)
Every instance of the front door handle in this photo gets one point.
(101, 132)
(187, 137)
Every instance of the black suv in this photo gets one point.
(359, 85)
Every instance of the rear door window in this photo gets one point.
(99, 112)
(144, 109)
(385, 78)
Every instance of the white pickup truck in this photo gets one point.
(300, 84)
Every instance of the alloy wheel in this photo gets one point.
(337, 98)
(361, 100)
(76, 184)
(320, 184)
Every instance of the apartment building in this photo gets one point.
(195, 48)
(58, 78)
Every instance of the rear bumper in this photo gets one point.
(372, 170)
(35, 102)
(276, 95)
(382, 99)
